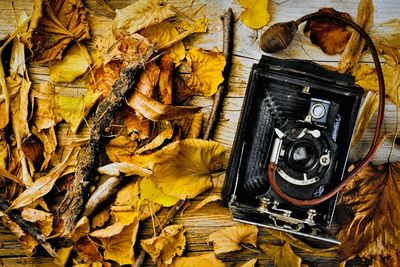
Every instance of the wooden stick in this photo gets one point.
(73, 203)
(28, 227)
(165, 221)
(228, 22)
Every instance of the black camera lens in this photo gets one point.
(303, 156)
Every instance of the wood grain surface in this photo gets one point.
(246, 53)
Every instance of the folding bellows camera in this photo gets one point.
(301, 117)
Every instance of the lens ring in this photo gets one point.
(317, 111)
(303, 156)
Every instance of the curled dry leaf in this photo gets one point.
(207, 68)
(76, 62)
(165, 82)
(142, 14)
(121, 148)
(128, 169)
(148, 79)
(281, 255)
(166, 134)
(162, 34)
(331, 35)
(255, 14)
(54, 25)
(182, 92)
(372, 233)
(150, 191)
(229, 239)
(74, 109)
(250, 263)
(49, 140)
(43, 185)
(367, 110)
(63, 256)
(155, 111)
(137, 125)
(355, 45)
(205, 201)
(88, 251)
(167, 245)
(81, 229)
(28, 242)
(205, 260)
(183, 169)
(43, 220)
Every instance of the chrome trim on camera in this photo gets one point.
(306, 181)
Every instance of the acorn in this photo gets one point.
(278, 36)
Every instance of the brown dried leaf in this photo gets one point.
(182, 92)
(210, 198)
(63, 256)
(155, 111)
(138, 125)
(121, 148)
(81, 229)
(281, 255)
(43, 220)
(372, 233)
(128, 169)
(250, 263)
(28, 242)
(148, 79)
(205, 260)
(166, 134)
(88, 251)
(101, 218)
(33, 150)
(49, 140)
(164, 247)
(355, 45)
(229, 239)
(165, 81)
(142, 14)
(54, 25)
(331, 35)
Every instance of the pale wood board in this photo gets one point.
(246, 53)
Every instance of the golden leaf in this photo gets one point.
(54, 25)
(121, 148)
(155, 111)
(162, 34)
(75, 63)
(104, 77)
(372, 231)
(165, 82)
(74, 109)
(138, 125)
(150, 191)
(148, 79)
(119, 248)
(28, 242)
(63, 255)
(366, 78)
(356, 43)
(182, 92)
(184, 168)
(164, 247)
(250, 263)
(142, 14)
(4, 155)
(129, 169)
(43, 185)
(88, 251)
(199, 26)
(256, 14)
(210, 198)
(367, 110)
(148, 209)
(101, 218)
(43, 220)
(205, 260)
(207, 68)
(110, 231)
(281, 255)
(329, 34)
(125, 208)
(229, 238)
(49, 140)
(44, 98)
(81, 229)
(166, 134)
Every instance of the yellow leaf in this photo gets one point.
(255, 14)
(109, 231)
(158, 140)
(121, 148)
(229, 239)
(371, 231)
(115, 169)
(75, 63)
(366, 78)
(155, 111)
(281, 255)
(43, 220)
(148, 79)
(148, 209)
(49, 140)
(165, 86)
(195, 126)
(207, 68)
(54, 25)
(63, 255)
(205, 201)
(205, 260)
(163, 33)
(367, 110)
(184, 168)
(142, 14)
(4, 154)
(150, 191)
(81, 229)
(199, 26)
(125, 208)
(119, 248)
(74, 109)
(101, 218)
(250, 263)
(43, 185)
(167, 245)
(44, 98)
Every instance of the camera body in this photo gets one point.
(300, 116)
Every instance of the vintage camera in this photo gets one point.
(300, 116)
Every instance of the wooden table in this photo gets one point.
(246, 53)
